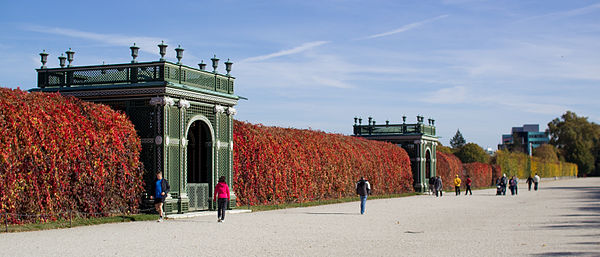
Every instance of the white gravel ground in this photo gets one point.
(562, 218)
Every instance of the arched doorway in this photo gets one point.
(199, 165)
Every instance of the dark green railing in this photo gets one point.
(394, 129)
(133, 73)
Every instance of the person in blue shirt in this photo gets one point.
(160, 188)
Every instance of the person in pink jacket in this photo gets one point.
(221, 196)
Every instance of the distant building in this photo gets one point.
(524, 139)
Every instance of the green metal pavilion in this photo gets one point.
(183, 115)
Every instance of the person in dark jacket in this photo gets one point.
(529, 182)
(439, 187)
(222, 194)
(432, 185)
(160, 190)
(363, 189)
(468, 184)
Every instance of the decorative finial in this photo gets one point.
(162, 47)
(179, 52)
(228, 66)
(44, 58)
(215, 63)
(134, 52)
(202, 65)
(62, 60)
(70, 55)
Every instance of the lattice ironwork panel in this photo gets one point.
(224, 162)
(173, 166)
(195, 109)
(174, 122)
(224, 128)
(142, 118)
(198, 193)
(201, 80)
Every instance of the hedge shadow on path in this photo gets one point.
(586, 218)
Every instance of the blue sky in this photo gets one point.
(478, 66)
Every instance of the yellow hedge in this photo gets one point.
(523, 166)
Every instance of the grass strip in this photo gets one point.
(76, 222)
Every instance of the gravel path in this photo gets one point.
(563, 218)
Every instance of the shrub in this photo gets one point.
(277, 165)
(59, 154)
(471, 152)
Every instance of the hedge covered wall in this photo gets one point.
(523, 166)
(60, 154)
(275, 165)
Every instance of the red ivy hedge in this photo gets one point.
(448, 166)
(277, 165)
(59, 154)
(481, 174)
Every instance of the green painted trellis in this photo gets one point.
(418, 139)
(169, 105)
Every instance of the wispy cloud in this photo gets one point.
(147, 44)
(451, 95)
(405, 27)
(294, 50)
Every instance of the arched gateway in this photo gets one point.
(183, 115)
(418, 139)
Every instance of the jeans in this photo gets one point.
(535, 186)
(363, 202)
(221, 206)
(457, 189)
(468, 190)
(438, 191)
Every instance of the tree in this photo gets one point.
(577, 141)
(546, 152)
(458, 140)
(444, 149)
(472, 152)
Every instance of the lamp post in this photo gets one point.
(62, 60)
(202, 65)
(228, 66)
(162, 48)
(215, 63)
(134, 52)
(44, 58)
(179, 52)
(70, 55)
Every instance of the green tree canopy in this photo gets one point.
(458, 140)
(472, 152)
(546, 152)
(444, 149)
(577, 141)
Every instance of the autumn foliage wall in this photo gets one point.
(448, 166)
(279, 165)
(59, 154)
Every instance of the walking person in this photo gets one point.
(529, 182)
(439, 187)
(468, 184)
(536, 181)
(221, 196)
(515, 184)
(457, 185)
(511, 186)
(432, 185)
(161, 189)
(363, 189)
(503, 183)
